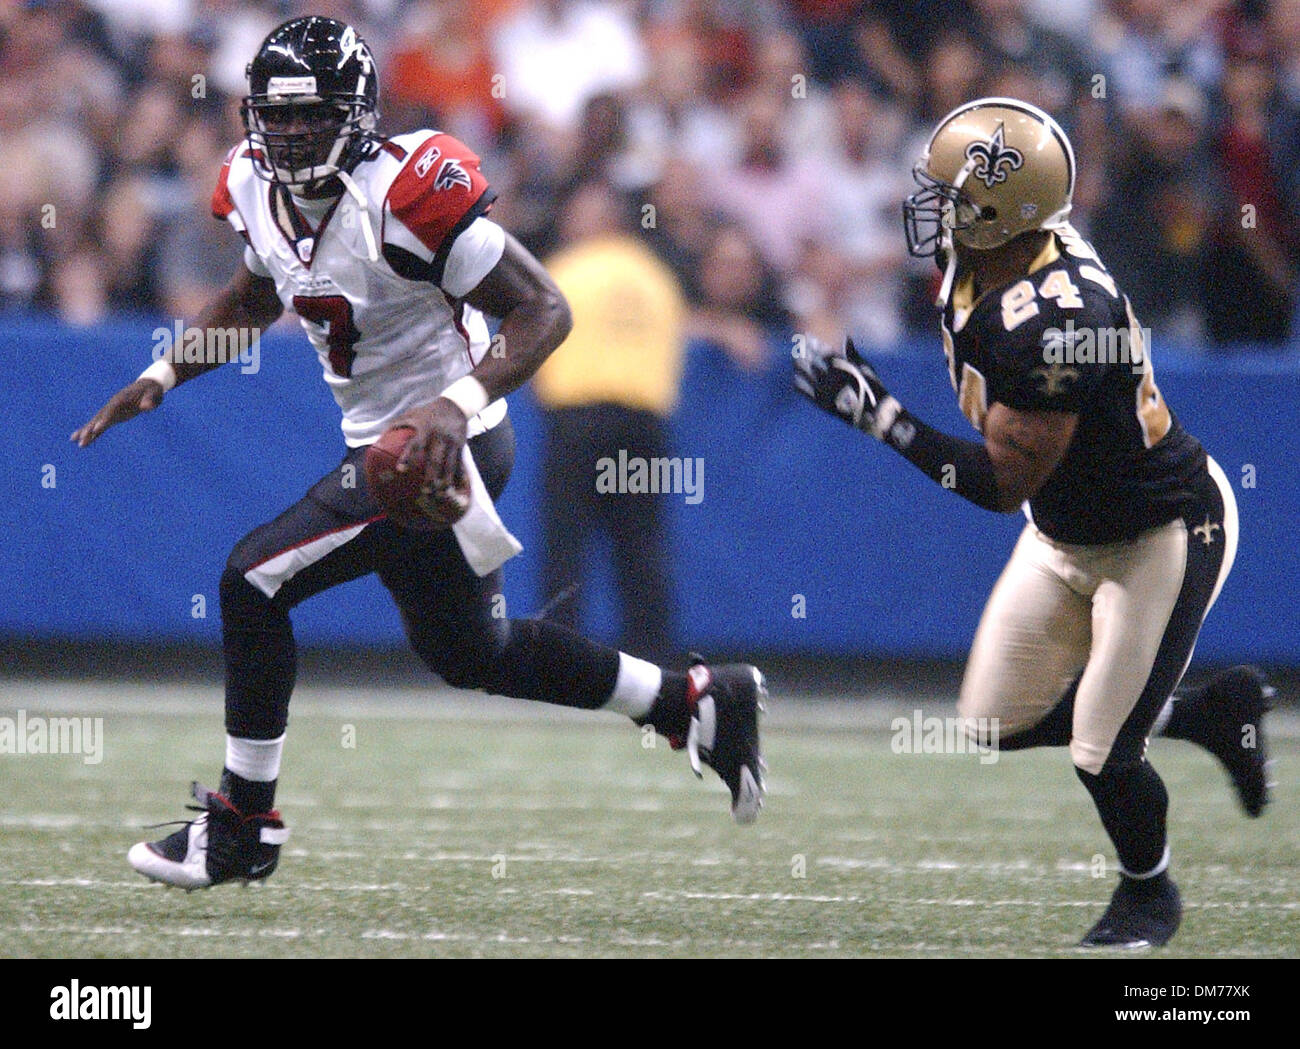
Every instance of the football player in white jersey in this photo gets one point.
(385, 250)
(1132, 528)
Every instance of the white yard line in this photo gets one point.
(439, 703)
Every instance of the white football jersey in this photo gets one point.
(379, 275)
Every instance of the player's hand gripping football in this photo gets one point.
(441, 430)
(843, 383)
(143, 395)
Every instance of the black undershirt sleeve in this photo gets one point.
(961, 466)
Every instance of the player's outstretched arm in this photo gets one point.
(249, 302)
(1019, 453)
(535, 319)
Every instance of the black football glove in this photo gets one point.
(844, 384)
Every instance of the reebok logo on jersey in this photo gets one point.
(452, 174)
(426, 161)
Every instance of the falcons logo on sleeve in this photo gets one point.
(451, 174)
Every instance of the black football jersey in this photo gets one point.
(1063, 338)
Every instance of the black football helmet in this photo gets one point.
(311, 108)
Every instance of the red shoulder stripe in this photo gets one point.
(438, 186)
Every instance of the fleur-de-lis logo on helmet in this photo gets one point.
(994, 159)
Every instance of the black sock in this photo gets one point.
(1146, 888)
(669, 713)
(1131, 801)
(248, 796)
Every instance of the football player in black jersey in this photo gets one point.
(1132, 527)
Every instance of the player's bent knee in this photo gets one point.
(1088, 757)
(985, 711)
(237, 592)
(465, 663)
(973, 706)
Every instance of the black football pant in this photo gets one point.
(454, 620)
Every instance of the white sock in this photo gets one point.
(637, 687)
(257, 760)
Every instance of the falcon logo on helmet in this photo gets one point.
(311, 108)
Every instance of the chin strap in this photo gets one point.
(363, 206)
(945, 242)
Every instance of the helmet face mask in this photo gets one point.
(311, 108)
(993, 170)
(303, 143)
(935, 210)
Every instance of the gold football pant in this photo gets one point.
(1115, 624)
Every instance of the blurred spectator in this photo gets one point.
(951, 76)
(741, 308)
(199, 254)
(78, 289)
(1143, 42)
(554, 55)
(1252, 262)
(1071, 18)
(441, 72)
(679, 108)
(855, 278)
(607, 394)
(239, 27)
(827, 28)
(682, 225)
(775, 197)
(1282, 31)
(1059, 67)
(599, 150)
(808, 116)
(129, 238)
(1153, 229)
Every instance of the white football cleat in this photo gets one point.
(220, 845)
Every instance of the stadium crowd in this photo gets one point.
(763, 147)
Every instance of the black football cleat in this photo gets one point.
(1226, 717)
(1139, 915)
(725, 703)
(220, 845)
(1242, 696)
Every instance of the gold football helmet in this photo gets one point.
(994, 168)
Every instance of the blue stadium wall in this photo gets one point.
(799, 513)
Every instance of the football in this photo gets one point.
(400, 494)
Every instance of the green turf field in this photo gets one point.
(463, 827)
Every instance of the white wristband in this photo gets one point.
(467, 394)
(161, 372)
